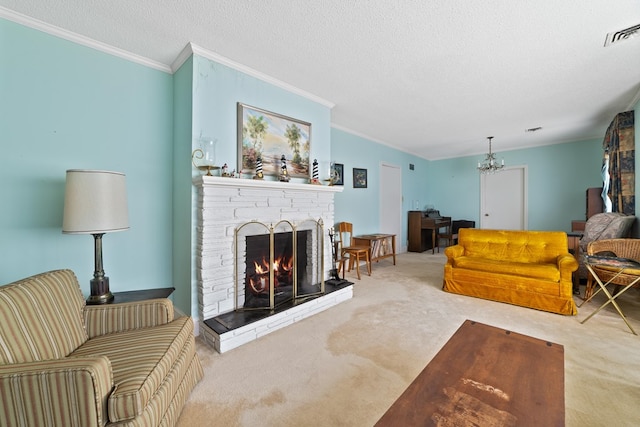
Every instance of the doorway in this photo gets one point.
(391, 200)
(503, 199)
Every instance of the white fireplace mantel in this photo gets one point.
(218, 181)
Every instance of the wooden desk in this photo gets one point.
(419, 227)
(380, 245)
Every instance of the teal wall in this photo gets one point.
(218, 88)
(66, 106)
(558, 176)
(360, 205)
(183, 218)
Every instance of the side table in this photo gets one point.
(611, 267)
(133, 296)
(380, 245)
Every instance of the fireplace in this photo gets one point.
(277, 264)
(228, 211)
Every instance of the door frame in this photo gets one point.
(382, 197)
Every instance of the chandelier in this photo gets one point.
(490, 164)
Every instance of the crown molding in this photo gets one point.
(192, 49)
(634, 101)
(36, 24)
(189, 50)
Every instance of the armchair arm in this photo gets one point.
(567, 264)
(453, 252)
(109, 318)
(72, 392)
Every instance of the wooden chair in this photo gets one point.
(450, 234)
(350, 252)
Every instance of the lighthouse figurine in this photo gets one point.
(284, 175)
(259, 174)
(314, 173)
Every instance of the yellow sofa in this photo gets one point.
(527, 268)
(63, 363)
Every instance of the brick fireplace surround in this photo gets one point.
(223, 205)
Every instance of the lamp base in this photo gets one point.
(100, 293)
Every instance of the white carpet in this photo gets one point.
(347, 365)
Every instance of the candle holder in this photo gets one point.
(204, 158)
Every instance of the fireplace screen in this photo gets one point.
(277, 264)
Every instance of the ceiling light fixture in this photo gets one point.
(490, 164)
(621, 35)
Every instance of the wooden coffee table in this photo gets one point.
(485, 376)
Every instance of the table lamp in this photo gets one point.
(95, 202)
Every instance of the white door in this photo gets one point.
(503, 199)
(391, 201)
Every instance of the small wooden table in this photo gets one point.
(485, 376)
(134, 296)
(381, 246)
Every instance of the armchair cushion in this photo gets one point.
(141, 359)
(39, 321)
(106, 319)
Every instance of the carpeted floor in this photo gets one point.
(347, 365)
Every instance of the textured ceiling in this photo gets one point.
(433, 78)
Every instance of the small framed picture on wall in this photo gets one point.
(359, 178)
(338, 174)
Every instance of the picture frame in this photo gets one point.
(359, 178)
(338, 174)
(270, 135)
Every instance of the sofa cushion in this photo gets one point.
(41, 318)
(525, 269)
(141, 360)
(514, 245)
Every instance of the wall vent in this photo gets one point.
(621, 35)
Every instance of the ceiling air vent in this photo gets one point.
(618, 36)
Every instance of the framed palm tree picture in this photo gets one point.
(268, 136)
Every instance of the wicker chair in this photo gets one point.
(606, 225)
(621, 248)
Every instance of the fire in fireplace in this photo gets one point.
(277, 264)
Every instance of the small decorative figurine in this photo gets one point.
(284, 175)
(314, 174)
(258, 174)
(225, 170)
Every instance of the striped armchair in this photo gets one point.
(63, 363)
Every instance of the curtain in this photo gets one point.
(619, 146)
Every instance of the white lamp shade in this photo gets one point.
(95, 202)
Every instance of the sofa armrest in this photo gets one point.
(567, 264)
(109, 318)
(453, 252)
(72, 391)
